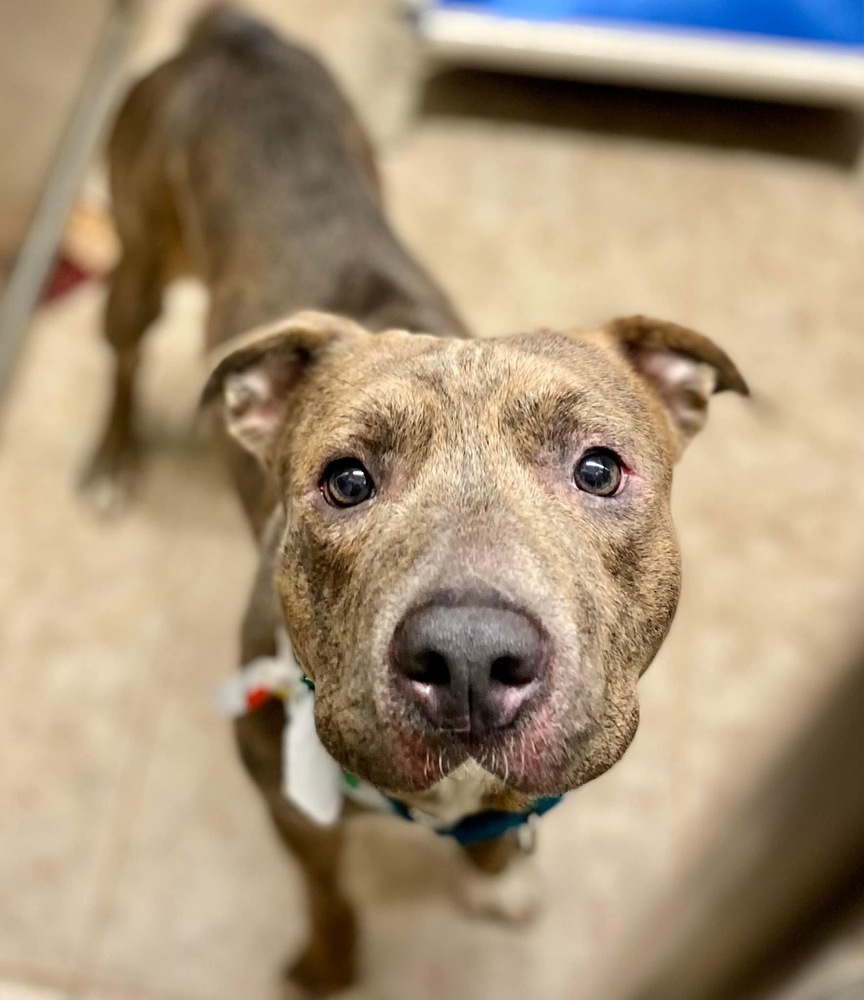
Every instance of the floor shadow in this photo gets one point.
(828, 135)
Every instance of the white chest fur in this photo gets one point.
(462, 793)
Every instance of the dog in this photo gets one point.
(466, 545)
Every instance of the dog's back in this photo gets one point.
(242, 158)
(241, 162)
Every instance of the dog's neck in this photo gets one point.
(464, 792)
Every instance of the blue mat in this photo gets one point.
(839, 22)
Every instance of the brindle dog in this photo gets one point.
(469, 542)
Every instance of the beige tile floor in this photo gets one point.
(135, 860)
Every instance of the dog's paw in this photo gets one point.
(514, 896)
(108, 482)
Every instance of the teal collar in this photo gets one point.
(486, 825)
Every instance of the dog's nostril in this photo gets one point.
(512, 671)
(429, 667)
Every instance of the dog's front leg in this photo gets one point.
(502, 881)
(328, 964)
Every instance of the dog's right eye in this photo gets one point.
(346, 483)
(599, 472)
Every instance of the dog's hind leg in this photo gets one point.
(148, 225)
(134, 302)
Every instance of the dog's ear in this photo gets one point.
(682, 367)
(257, 375)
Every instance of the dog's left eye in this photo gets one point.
(599, 472)
(346, 483)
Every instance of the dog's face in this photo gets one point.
(477, 559)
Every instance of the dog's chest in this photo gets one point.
(466, 791)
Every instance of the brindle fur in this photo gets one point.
(240, 161)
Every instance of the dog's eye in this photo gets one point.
(599, 472)
(346, 483)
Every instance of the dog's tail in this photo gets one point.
(225, 26)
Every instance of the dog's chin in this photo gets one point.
(525, 759)
(538, 755)
(419, 762)
(525, 762)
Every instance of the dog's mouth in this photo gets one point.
(565, 730)
(524, 756)
(480, 679)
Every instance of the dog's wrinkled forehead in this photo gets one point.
(639, 382)
(411, 395)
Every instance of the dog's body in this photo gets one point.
(241, 163)
(469, 542)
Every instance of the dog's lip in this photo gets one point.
(426, 753)
(458, 727)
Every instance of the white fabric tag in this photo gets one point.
(311, 778)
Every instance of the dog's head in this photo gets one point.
(477, 558)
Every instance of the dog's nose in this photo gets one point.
(469, 667)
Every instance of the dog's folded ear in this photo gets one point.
(683, 367)
(259, 371)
